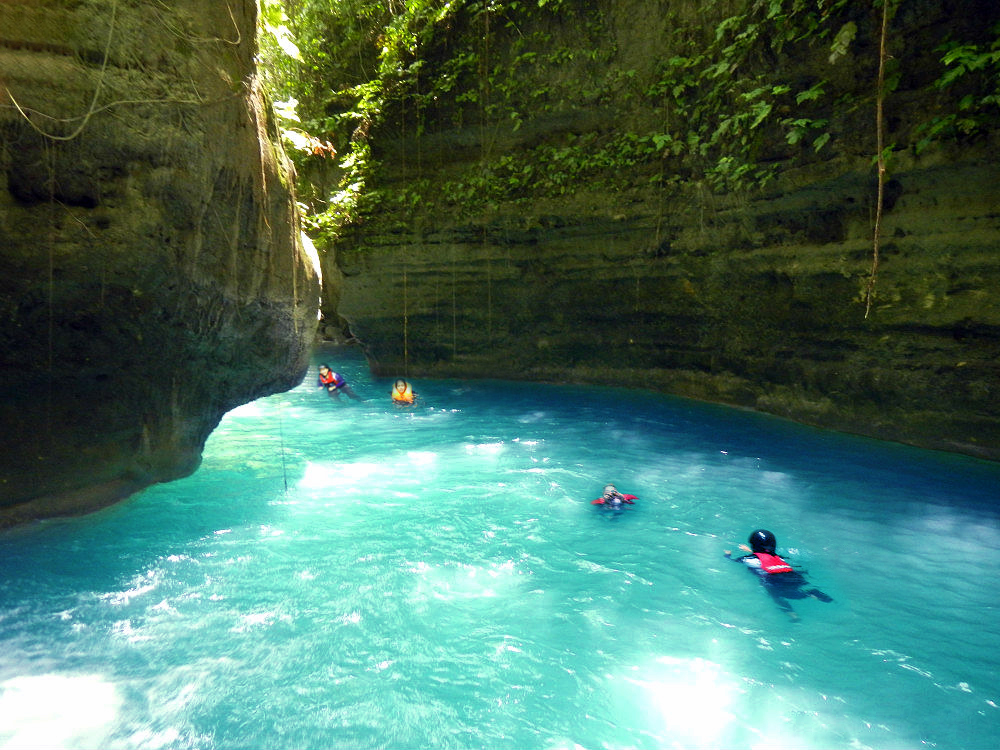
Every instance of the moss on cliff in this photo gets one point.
(151, 271)
(681, 197)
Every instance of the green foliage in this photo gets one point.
(972, 74)
(725, 99)
(278, 52)
(842, 41)
(720, 110)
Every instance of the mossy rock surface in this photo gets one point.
(499, 250)
(152, 275)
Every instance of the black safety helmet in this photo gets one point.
(762, 540)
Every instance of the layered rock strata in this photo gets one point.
(761, 306)
(750, 298)
(152, 274)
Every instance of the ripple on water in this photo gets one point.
(437, 577)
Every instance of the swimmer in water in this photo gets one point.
(402, 392)
(612, 499)
(334, 383)
(781, 580)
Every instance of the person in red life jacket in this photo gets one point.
(612, 499)
(402, 392)
(334, 383)
(781, 579)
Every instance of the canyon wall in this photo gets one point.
(549, 224)
(152, 272)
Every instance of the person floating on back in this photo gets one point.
(612, 499)
(781, 580)
(334, 383)
(402, 392)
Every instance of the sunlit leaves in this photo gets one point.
(811, 94)
(842, 41)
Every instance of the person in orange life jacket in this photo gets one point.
(334, 383)
(612, 499)
(780, 578)
(402, 392)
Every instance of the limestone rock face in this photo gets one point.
(749, 298)
(760, 308)
(152, 274)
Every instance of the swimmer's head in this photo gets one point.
(324, 367)
(762, 540)
(609, 490)
(400, 385)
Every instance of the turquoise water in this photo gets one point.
(435, 577)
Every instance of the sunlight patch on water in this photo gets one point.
(485, 449)
(256, 620)
(464, 581)
(340, 475)
(422, 458)
(251, 410)
(686, 700)
(54, 710)
(399, 468)
(143, 585)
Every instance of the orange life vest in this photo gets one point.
(404, 396)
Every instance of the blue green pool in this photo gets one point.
(359, 575)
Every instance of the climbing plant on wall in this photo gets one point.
(739, 91)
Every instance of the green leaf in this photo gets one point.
(762, 110)
(661, 141)
(963, 52)
(810, 94)
(842, 41)
(950, 76)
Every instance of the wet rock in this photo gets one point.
(152, 274)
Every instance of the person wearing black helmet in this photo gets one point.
(780, 578)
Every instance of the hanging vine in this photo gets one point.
(880, 158)
(737, 96)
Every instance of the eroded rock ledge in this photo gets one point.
(152, 275)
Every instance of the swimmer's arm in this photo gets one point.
(749, 560)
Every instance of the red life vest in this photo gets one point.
(772, 564)
(625, 499)
(326, 379)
